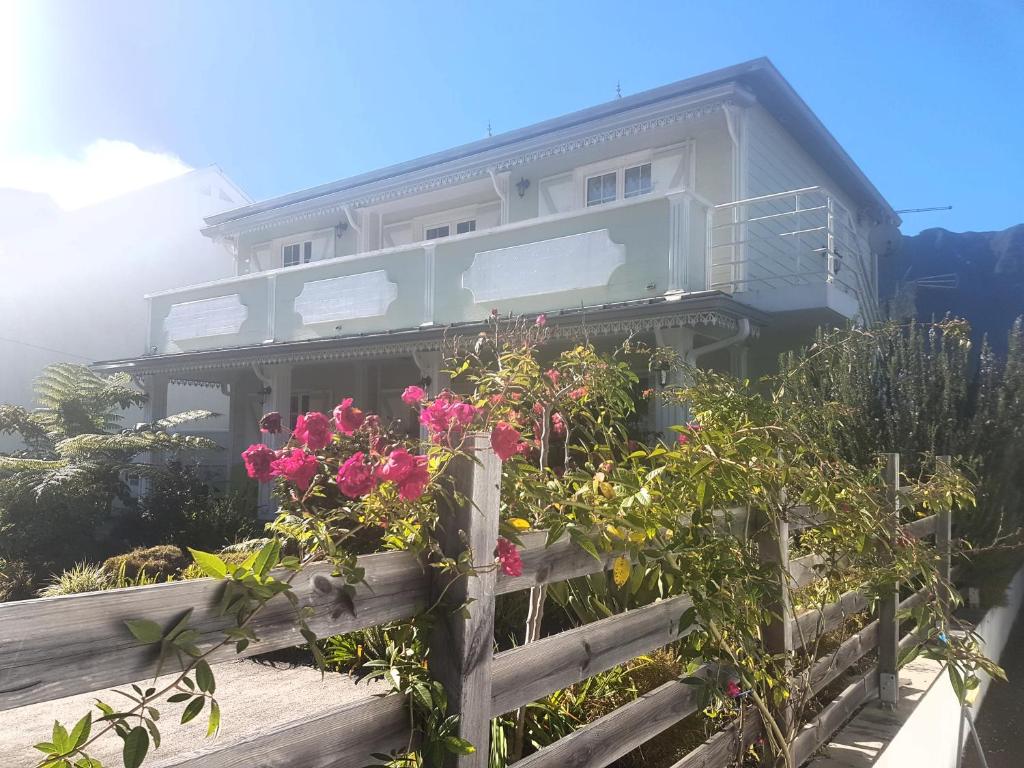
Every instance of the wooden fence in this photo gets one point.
(56, 647)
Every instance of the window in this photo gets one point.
(601, 189)
(637, 180)
(465, 226)
(297, 253)
(435, 232)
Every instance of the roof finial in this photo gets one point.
(488, 129)
(618, 89)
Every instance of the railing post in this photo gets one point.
(777, 627)
(944, 542)
(461, 646)
(830, 242)
(888, 624)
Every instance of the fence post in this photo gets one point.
(888, 624)
(777, 628)
(944, 542)
(461, 646)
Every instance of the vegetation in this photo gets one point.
(349, 485)
(65, 499)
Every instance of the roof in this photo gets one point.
(758, 76)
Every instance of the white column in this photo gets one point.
(738, 354)
(429, 364)
(278, 378)
(155, 408)
(428, 284)
(670, 414)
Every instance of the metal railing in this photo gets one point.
(798, 237)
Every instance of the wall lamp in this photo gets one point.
(522, 185)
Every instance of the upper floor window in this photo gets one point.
(601, 189)
(637, 180)
(444, 230)
(297, 253)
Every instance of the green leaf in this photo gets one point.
(204, 677)
(458, 746)
(136, 745)
(214, 725)
(60, 737)
(80, 733)
(47, 747)
(209, 563)
(145, 631)
(154, 732)
(179, 697)
(267, 557)
(194, 708)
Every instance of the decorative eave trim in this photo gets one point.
(351, 348)
(481, 167)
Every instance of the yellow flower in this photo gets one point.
(637, 537)
(613, 531)
(620, 570)
(519, 523)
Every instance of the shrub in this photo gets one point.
(15, 581)
(82, 577)
(155, 562)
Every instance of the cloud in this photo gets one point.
(105, 169)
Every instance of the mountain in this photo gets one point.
(989, 270)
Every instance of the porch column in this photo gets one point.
(669, 414)
(154, 409)
(679, 225)
(738, 360)
(278, 380)
(429, 364)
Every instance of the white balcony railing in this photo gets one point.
(787, 240)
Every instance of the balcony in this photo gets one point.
(647, 247)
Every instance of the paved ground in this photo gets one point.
(252, 697)
(1001, 720)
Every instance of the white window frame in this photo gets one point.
(617, 195)
(305, 246)
(650, 174)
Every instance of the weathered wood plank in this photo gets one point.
(809, 624)
(59, 646)
(608, 738)
(803, 570)
(832, 717)
(829, 667)
(772, 540)
(461, 645)
(722, 748)
(532, 671)
(563, 560)
(343, 737)
(919, 529)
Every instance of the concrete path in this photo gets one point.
(1001, 720)
(253, 697)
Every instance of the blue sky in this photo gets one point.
(928, 97)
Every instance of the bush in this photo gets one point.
(181, 509)
(154, 562)
(82, 577)
(15, 581)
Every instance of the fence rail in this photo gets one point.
(55, 647)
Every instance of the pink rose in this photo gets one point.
(558, 427)
(413, 395)
(553, 376)
(732, 689)
(355, 477)
(258, 459)
(415, 482)
(271, 423)
(508, 557)
(397, 468)
(313, 429)
(505, 440)
(682, 438)
(348, 418)
(576, 394)
(541, 320)
(298, 466)
(446, 415)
